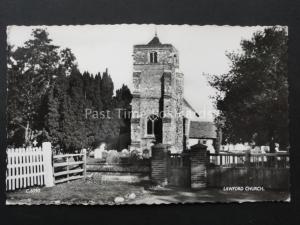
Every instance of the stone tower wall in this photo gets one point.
(155, 89)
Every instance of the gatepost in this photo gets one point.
(198, 157)
(48, 169)
(159, 164)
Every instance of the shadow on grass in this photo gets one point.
(96, 192)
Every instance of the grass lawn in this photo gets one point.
(75, 192)
(178, 195)
(94, 192)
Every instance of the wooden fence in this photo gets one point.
(69, 167)
(268, 170)
(257, 160)
(36, 166)
(28, 167)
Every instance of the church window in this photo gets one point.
(150, 127)
(153, 57)
(151, 124)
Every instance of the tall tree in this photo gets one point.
(107, 90)
(122, 102)
(35, 65)
(36, 76)
(48, 96)
(253, 97)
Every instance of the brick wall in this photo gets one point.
(159, 164)
(198, 166)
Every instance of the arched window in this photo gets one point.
(175, 58)
(154, 127)
(150, 127)
(151, 124)
(153, 57)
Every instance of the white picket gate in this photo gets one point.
(29, 166)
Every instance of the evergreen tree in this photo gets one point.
(48, 96)
(107, 90)
(122, 102)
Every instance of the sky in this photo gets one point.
(201, 49)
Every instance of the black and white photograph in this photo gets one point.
(147, 114)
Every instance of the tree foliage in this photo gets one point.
(253, 97)
(48, 97)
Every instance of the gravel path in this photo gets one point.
(211, 195)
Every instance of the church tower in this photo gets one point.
(157, 102)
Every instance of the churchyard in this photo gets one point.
(112, 177)
(62, 149)
(96, 192)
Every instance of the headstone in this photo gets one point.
(98, 153)
(125, 153)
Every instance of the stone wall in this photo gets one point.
(157, 87)
(166, 55)
(132, 173)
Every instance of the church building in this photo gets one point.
(159, 110)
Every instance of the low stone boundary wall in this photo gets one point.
(120, 177)
(131, 173)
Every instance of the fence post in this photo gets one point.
(49, 179)
(198, 166)
(84, 162)
(207, 157)
(159, 164)
(248, 158)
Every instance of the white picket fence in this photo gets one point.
(30, 166)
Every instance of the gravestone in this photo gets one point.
(98, 153)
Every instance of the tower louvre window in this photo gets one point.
(153, 57)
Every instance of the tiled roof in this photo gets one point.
(154, 41)
(203, 129)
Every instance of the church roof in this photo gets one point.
(188, 105)
(203, 129)
(154, 41)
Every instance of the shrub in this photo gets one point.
(113, 157)
(104, 154)
(146, 154)
(134, 156)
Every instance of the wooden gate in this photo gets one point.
(69, 167)
(179, 171)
